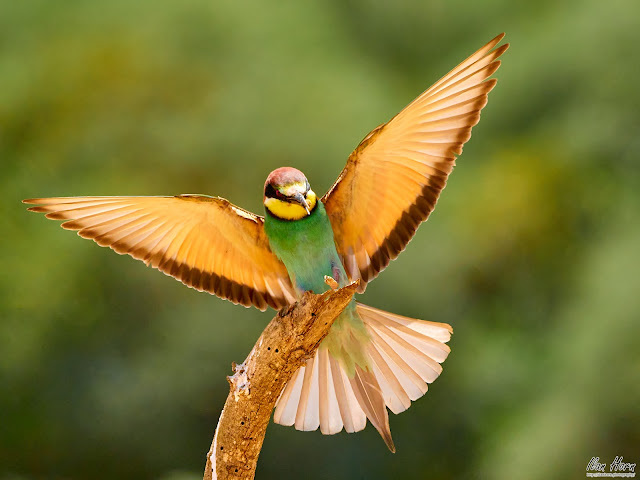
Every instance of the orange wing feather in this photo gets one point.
(205, 242)
(392, 180)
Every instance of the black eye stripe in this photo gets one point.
(270, 192)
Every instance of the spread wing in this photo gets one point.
(205, 242)
(392, 180)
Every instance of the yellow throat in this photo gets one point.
(290, 211)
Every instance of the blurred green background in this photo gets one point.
(111, 370)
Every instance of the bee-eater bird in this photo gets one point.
(370, 359)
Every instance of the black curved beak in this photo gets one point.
(299, 199)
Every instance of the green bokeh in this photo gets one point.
(110, 370)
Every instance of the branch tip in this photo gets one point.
(331, 282)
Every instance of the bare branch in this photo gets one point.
(285, 344)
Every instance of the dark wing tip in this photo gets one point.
(489, 86)
(497, 38)
(501, 49)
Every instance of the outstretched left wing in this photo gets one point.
(205, 242)
(392, 180)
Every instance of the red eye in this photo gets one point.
(279, 194)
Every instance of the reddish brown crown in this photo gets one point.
(284, 176)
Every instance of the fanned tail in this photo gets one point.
(404, 356)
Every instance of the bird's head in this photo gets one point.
(287, 194)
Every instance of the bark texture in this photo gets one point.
(285, 344)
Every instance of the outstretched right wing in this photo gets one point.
(393, 179)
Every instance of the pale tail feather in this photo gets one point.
(351, 414)
(405, 355)
(335, 404)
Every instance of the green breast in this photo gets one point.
(307, 249)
